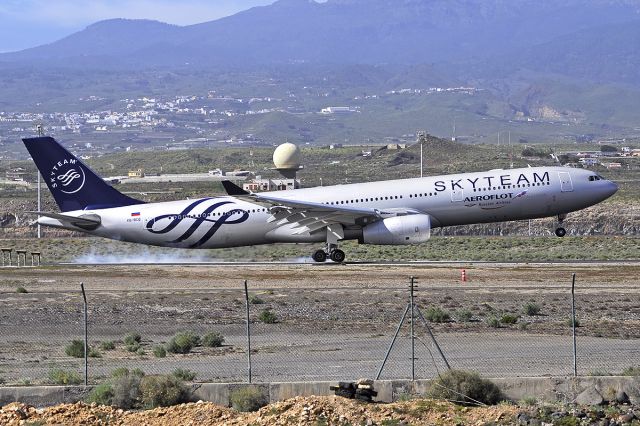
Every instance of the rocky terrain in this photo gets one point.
(327, 411)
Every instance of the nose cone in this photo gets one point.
(610, 188)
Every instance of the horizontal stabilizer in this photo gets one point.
(88, 222)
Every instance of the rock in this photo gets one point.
(590, 396)
(368, 382)
(603, 422)
(523, 418)
(626, 418)
(622, 397)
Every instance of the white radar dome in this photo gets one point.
(287, 156)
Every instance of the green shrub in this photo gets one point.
(463, 315)
(183, 342)
(212, 339)
(108, 345)
(184, 374)
(528, 401)
(94, 353)
(131, 339)
(436, 314)
(255, 300)
(126, 390)
(531, 308)
(268, 317)
(493, 321)
(75, 349)
(59, 376)
(120, 372)
(248, 398)
(464, 387)
(122, 389)
(569, 322)
(631, 371)
(21, 290)
(161, 391)
(509, 319)
(101, 394)
(133, 347)
(159, 351)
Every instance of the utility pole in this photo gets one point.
(40, 133)
(421, 134)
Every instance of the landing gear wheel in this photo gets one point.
(561, 232)
(337, 256)
(319, 256)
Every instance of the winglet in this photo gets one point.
(233, 189)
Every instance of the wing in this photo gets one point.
(310, 216)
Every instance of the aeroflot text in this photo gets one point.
(489, 197)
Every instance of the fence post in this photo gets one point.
(246, 298)
(86, 337)
(573, 325)
(413, 338)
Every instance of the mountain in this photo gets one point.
(366, 32)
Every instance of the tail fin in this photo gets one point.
(73, 185)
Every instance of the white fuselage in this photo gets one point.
(466, 198)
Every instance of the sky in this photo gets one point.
(29, 23)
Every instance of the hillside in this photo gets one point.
(369, 32)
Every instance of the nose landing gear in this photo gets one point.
(560, 231)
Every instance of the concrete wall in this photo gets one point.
(548, 389)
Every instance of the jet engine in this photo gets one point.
(398, 230)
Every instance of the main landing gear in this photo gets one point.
(332, 252)
(560, 231)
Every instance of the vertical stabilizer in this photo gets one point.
(73, 185)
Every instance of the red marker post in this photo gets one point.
(463, 275)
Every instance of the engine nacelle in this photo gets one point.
(397, 230)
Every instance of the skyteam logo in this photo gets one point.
(67, 176)
(206, 218)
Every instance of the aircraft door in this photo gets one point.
(457, 195)
(565, 182)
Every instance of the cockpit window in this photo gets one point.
(594, 178)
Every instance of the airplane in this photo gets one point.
(393, 212)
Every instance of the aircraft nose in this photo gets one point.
(610, 188)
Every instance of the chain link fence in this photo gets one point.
(308, 335)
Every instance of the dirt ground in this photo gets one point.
(332, 321)
(310, 410)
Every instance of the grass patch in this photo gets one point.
(21, 290)
(75, 349)
(465, 388)
(108, 345)
(436, 314)
(58, 376)
(531, 308)
(631, 371)
(183, 342)
(159, 351)
(268, 317)
(248, 398)
(493, 321)
(212, 339)
(463, 315)
(509, 319)
(184, 374)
